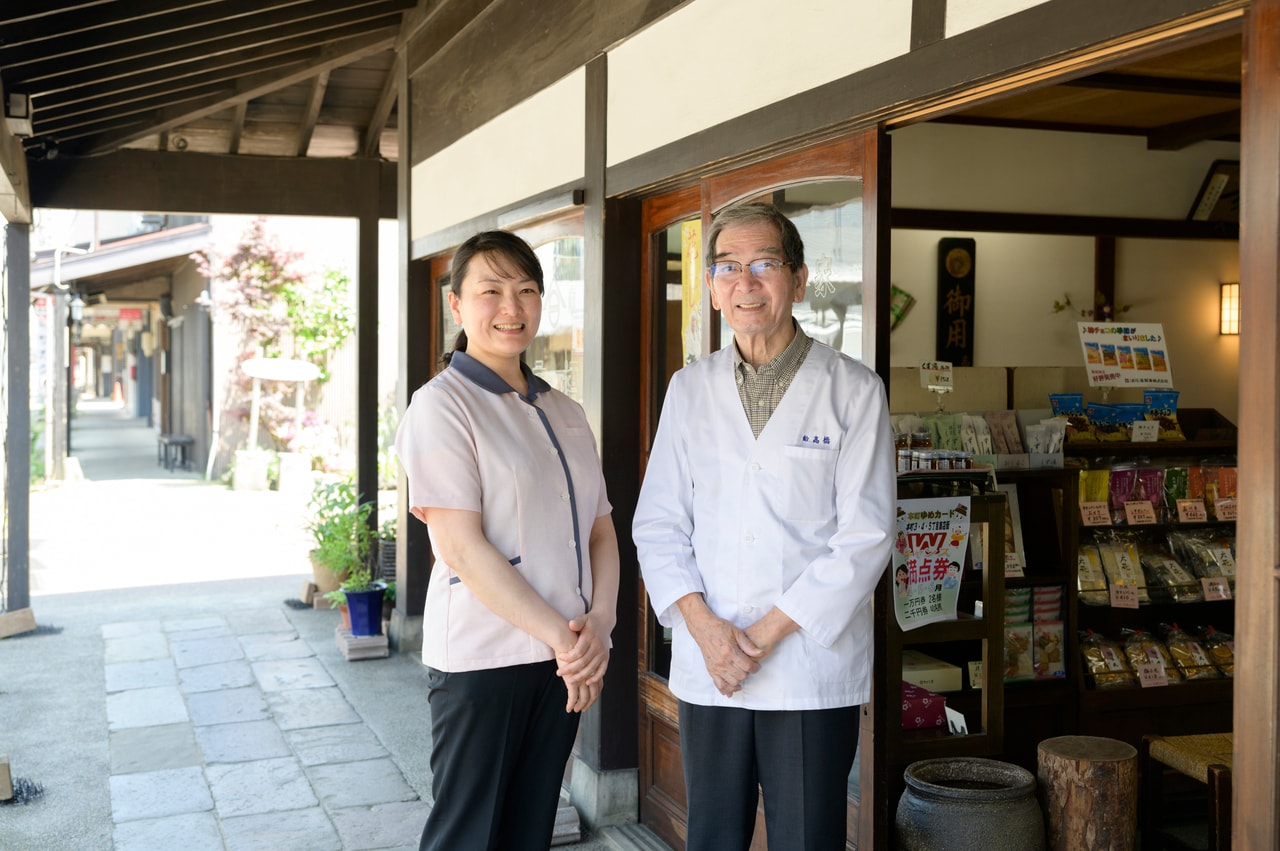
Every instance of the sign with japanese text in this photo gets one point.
(1121, 354)
(936, 376)
(932, 536)
(956, 310)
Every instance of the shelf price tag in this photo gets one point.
(1225, 508)
(1152, 675)
(1216, 588)
(1013, 566)
(975, 674)
(1124, 597)
(1095, 514)
(1192, 511)
(935, 375)
(1144, 431)
(1139, 513)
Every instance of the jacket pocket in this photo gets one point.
(809, 493)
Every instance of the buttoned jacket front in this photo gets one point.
(799, 518)
(529, 466)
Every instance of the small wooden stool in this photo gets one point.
(1206, 758)
(1090, 792)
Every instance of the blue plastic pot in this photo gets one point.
(365, 609)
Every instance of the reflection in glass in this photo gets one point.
(829, 218)
(556, 353)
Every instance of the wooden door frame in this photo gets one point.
(856, 155)
(1256, 816)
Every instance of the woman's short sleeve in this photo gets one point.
(436, 449)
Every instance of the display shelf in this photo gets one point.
(1185, 695)
(1199, 706)
(968, 637)
(965, 627)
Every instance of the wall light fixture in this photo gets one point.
(1229, 313)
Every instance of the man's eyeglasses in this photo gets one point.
(730, 270)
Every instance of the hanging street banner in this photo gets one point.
(1125, 354)
(928, 558)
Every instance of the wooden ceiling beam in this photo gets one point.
(120, 92)
(332, 55)
(216, 183)
(73, 19)
(1183, 134)
(1183, 86)
(48, 75)
(382, 111)
(237, 126)
(166, 28)
(312, 112)
(104, 116)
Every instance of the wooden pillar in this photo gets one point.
(17, 437)
(413, 368)
(1089, 788)
(604, 782)
(1256, 819)
(367, 342)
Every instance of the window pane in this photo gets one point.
(829, 218)
(556, 353)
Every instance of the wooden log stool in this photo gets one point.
(1089, 789)
(1206, 758)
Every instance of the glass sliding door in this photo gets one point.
(825, 191)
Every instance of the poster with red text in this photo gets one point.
(930, 540)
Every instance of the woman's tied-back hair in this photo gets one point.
(743, 214)
(507, 253)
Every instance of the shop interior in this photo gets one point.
(1112, 198)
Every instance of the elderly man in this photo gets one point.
(763, 526)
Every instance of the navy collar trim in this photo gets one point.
(485, 378)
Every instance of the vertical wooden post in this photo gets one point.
(1256, 819)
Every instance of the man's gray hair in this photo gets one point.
(741, 214)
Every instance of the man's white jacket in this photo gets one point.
(800, 518)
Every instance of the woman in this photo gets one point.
(504, 472)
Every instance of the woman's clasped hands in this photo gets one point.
(582, 666)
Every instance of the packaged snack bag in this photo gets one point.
(1019, 662)
(1141, 647)
(1095, 485)
(1090, 580)
(1105, 662)
(1162, 406)
(1105, 425)
(1175, 488)
(1188, 654)
(1122, 565)
(1126, 414)
(1168, 581)
(1221, 648)
(1047, 652)
(1070, 406)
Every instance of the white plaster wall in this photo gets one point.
(531, 148)
(1174, 283)
(713, 60)
(967, 14)
(1038, 171)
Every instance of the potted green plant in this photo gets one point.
(342, 540)
(362, 597)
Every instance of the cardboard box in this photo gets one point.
(922, 709)
(930, 673)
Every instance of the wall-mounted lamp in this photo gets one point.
(75, 314)
(1229, 312)
(17, 114)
